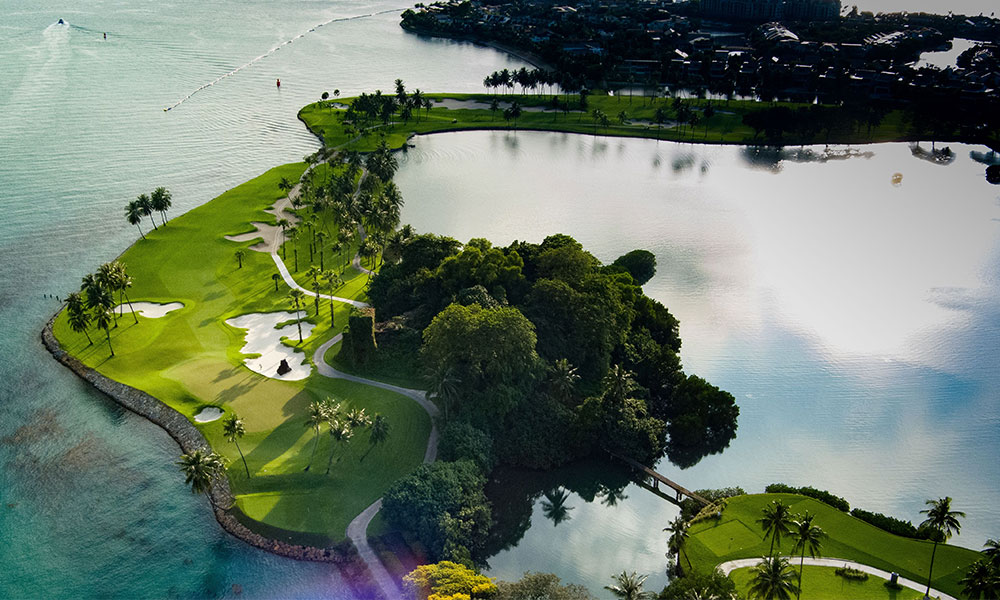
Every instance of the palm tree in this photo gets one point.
(331, 282)
(444, 385)
(201, 468)
(317, 416)
(122, 282)
(982, 581)
(104, 317)
(341, 433)
(314, 273)
(77, 315)
(160, 201)
(293, 235)
(562, 379)
(773, 579)
(295, 297)
(379, 433)
(146, 205)
(618, 384)
(554, 506)
(807, 537)
(678, 530)
(241, 253)
(944, 523)
(776, 520)
(233, 429)
(133, 214)
(321, 246)
(284, 224)
(629, 586)
(992, 551)
(275, 277)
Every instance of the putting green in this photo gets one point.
(190, 358)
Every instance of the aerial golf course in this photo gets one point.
(190, 358)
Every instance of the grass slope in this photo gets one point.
(190, 358)
(725, 126)
(821, 583)
(737, 535)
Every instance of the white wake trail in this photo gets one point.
(275, 49)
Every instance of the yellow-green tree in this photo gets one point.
(447, 580)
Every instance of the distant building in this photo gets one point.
(771, 10)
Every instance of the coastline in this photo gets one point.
(344, 555)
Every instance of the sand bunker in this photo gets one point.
(150, 310)
(208, 414)
(263, 339)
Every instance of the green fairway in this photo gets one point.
(822, 583)
(737, 535)
(725, 125)
(191, 358)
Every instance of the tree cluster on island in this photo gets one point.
(145, 205)
(537, 355)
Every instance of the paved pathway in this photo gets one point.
(357, 530)
(728, 567)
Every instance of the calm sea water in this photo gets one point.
(855, 321)
(90, 502)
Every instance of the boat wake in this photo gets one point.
(275, 49)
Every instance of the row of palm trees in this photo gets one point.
(982, 581)
(159, 200)
(95, 302)
(341, 424)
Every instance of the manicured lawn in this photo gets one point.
(190, 358)
(822, 583)
(725, 126)
(737, 535)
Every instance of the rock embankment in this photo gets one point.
(189, 438)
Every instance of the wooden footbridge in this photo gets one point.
(656, 479)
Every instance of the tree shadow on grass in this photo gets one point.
(233, 392)
(283, 437)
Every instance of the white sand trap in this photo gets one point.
(264, 339)
(150, 310)
(208, 414)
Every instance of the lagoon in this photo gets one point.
(855, 320)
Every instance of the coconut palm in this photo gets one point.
(103, 317)
(562, 380)
(314, 273)
(341, 433)
(201, 468)
(944, 523)
(78, 317)
(133, 214)
(120, 280)
(678, 530)
(285, 185)
(776, 521)
(160, 201)
(296, 298)
(293, 236)
(554, 506)
(628, 586)
(772, 579)
(618, 384)
(331, 283)
(807, 537)
(146, 205)
(444, 383)
(284, 224)
(240, 254)
(321, 237)
(233, 429)
(992, 551)
(275, 277)
(316, 418)
(982, 581)
(378, 434)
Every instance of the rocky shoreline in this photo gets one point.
(189, 438)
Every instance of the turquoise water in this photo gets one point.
(90, 502)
